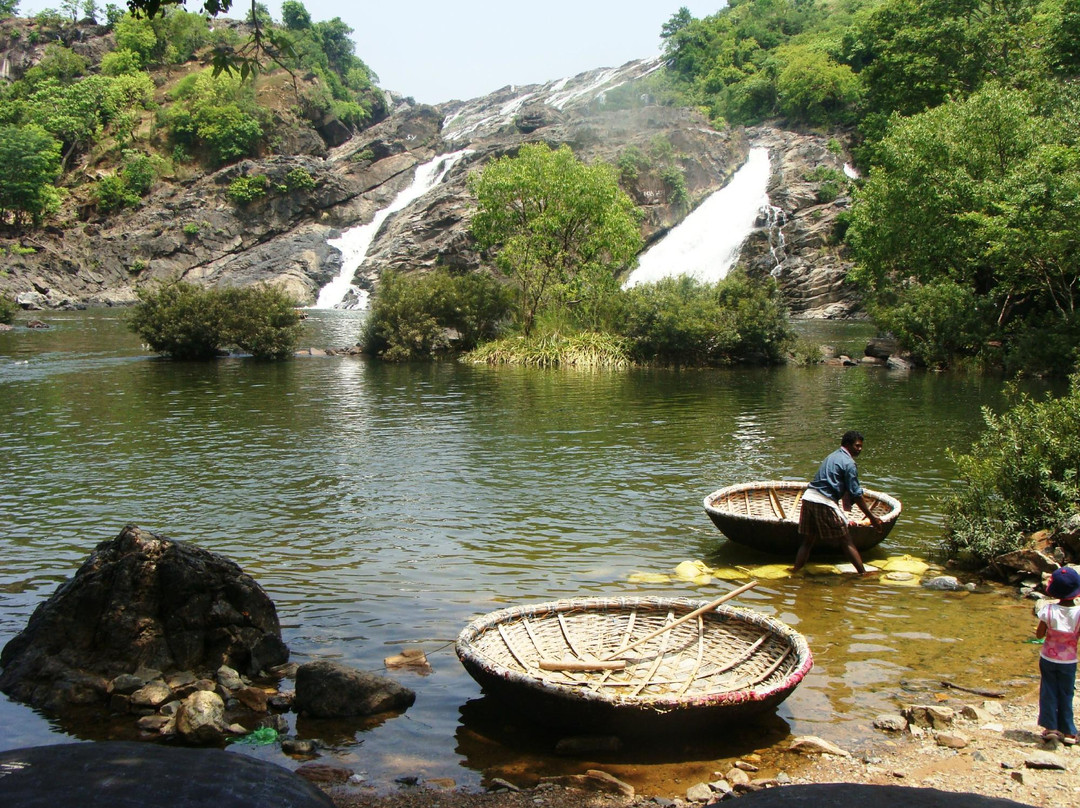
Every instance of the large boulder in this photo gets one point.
(140, 601)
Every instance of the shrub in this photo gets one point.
(185, 322)
(121, 63)
(299, 179)
(181, 321)
(1022, 475)
(261, 320)
(243, 190)
(8, 308)
(112, 194)
(415, 317)
(216, 114)
(937, 323)
(683, 321)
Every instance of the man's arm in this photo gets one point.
(875, 520)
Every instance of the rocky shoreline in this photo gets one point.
(989, 747)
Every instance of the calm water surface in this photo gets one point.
(384, 506)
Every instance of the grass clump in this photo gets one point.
(585, 349)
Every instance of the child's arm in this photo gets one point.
(1040, 630)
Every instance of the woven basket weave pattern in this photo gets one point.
(727, 655)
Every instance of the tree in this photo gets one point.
(1019, 477)
(812, 88)
(978, 198)
(295, 16)
(563, 230)
(8, 8)
(29, 164)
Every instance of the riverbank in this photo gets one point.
(1002, 755)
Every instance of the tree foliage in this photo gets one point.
(29, 165)
(1022, 475)
(185, 322)
(973, 204)
(217, 116)
(563, 230)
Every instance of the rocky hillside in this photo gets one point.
(191, 228)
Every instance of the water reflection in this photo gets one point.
(384, 506)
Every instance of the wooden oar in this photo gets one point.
(581, 665)
(708, 607)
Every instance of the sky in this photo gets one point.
(436, 50)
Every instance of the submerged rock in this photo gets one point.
(331, 690)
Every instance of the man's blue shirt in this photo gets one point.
(837, 476)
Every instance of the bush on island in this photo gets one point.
(683, 321)
(435, 314)
(184, 321)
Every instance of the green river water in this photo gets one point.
(384, 506)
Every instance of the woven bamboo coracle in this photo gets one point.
(591, 662)
(765, 515)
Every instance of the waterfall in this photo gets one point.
(355, 242)
(774, 218)
(706, 243)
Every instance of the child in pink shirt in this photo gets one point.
(1059, 624)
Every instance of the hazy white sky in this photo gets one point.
(438, 50)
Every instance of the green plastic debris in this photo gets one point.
(263, 736)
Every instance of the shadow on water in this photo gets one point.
(492, 738)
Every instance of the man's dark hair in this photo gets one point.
(850, 437)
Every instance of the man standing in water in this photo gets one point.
(827, 498)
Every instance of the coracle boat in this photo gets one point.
(634, 664)
(765, 516)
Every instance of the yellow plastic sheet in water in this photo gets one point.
(648, 578)
(771, 572)
(904, 563)
(692, 570)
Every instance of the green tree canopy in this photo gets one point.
(563, 230)
(29, 164)
(979, 194)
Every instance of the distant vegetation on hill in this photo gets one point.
(100, 119)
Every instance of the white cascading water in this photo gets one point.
(706, 243)
(355, 242)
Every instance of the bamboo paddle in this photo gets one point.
(611, 663)
(708, 607)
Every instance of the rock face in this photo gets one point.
(140, 601)
(798, 243)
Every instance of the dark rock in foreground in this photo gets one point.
(140, 602)
(140, 775)
(847, 795)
